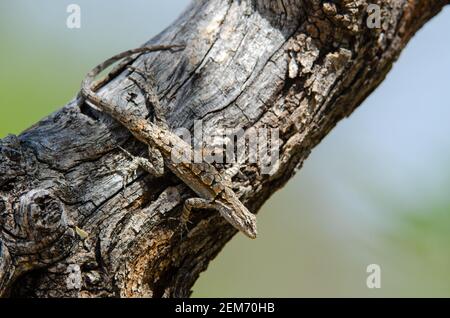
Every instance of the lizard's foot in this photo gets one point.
(154, 166)
(125, 173)
(189, 205)
(231, 172)
(146, 76)
(156, 162)
(184, 222)
(147, 84)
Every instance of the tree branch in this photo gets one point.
(296, 66)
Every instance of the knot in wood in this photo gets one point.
(5, 266)
(42, 215)
(39, 230)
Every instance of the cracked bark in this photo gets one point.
(298, 66)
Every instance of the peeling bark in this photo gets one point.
(298, 66)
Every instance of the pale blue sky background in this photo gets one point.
(376, 190)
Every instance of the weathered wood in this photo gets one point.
(296, 65)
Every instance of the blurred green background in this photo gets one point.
(376, 190)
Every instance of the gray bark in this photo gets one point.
(296, 65)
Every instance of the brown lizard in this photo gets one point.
(213, 188)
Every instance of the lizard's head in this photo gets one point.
(237, 214)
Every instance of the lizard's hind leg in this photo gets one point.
(154, 165)
(147, 84)
(233, 171)
(194, 203)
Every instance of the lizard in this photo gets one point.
(214, 189)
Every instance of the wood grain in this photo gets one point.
(299, 66)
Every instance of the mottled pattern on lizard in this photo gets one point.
(213, 188)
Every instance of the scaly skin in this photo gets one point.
(203, 178)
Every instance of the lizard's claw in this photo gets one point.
(185, 219)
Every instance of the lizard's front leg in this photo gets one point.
(194, 203)
(235, 213)
(154, 165)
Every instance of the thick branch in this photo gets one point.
(294, 65)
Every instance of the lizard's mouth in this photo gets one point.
(237, 215)
(250, 229)
(244, 222)
(252, 234)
